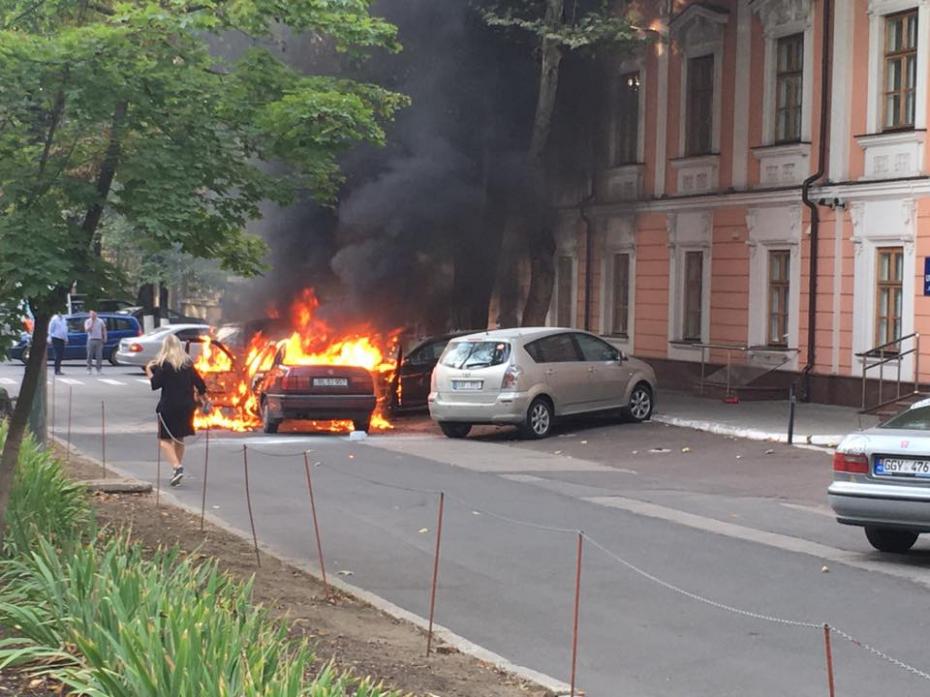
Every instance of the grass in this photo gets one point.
(98, 615)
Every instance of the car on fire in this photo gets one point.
(314, 392)
(410, 384)
(881, 480)
(531, 376)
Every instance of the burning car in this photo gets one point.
(315, 392)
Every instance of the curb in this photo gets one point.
(824, 441)
(458, 642)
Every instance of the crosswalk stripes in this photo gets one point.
(110, 381)
(144, 381)
(71, 381)
(8, 381)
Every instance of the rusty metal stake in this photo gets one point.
(103, 438)
(54, 394)
(432, 595)
(316, 525)
(248, 501)
(577, 608)
(68, 453)
(206, 467)
(829, 652)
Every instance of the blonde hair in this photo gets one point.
(172, 352)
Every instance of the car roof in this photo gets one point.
(114, 315)
(525, 333)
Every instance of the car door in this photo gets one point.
(77, 338)
(415, 372)
(608, 376)
(564, 371)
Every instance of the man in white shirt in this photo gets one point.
(58, 332)
(96, 330)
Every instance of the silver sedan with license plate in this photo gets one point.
(881, 480)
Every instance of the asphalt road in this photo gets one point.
(706, 521)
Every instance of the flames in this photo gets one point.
(312, 342)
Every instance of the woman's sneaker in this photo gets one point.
(176, 477)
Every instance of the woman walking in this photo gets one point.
(173, 373)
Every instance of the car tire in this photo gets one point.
(539, 419)
(24, 356)
(451, 429)
(268, 424)
(640, 406)
(363, 424)
(113, 359)
(890, 540)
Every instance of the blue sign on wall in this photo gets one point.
(926, 275)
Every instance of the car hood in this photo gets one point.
(642, 366)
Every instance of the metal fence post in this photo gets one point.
(792, 402)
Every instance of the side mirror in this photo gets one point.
(621, 356)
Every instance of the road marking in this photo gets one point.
(71, 381)
(858, 560)
(819, 510)
(110, 381)
(7, 381)
(144, 381)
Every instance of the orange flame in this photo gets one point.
(311, 343)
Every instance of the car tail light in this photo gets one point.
(854, 463)
(511, 378)
(135, 348)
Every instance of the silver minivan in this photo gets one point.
(531, 376)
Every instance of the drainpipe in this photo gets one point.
(588, 246)
(812, 206)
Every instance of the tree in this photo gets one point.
(122, 107)
(556, 28)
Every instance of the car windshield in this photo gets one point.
(476, 354)
(914, 419)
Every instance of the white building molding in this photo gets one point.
(619, 238)
(878, 224)
(773, 229)
(697, 175)
(741, 111)
(688, 232)
(566, 240)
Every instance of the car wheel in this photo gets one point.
(268, 424)
(454, 430)
(113, 360)
(890, 540)
(539, 418)
(640, 406)
(362, 424)
(24, 356)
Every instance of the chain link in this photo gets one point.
(880, 654)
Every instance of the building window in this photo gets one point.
(900, 69)
(693, 296)
(789, 83)
(564, 293)
(779, 285)
(889, 295)
(699, 129)
(627, 144)
(620, 315)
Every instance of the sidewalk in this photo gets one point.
(814, 424)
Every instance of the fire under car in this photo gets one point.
(315, 393)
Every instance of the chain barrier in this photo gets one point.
(880, 654)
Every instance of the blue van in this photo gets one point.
(118, 327)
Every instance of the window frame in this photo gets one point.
(627, 149)
(691, 302)
(557, 299)
(893, 316)
(781, 286)
(901, 56)
(611, 313)
(708, 92)
(781, 75)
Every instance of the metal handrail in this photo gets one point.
(730, 348)
(882, 358)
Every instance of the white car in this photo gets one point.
(529, 377)
(139, 350)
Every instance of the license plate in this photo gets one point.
(467, 384)
(330, 382)
(899, 467)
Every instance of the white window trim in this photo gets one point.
(772, 36)
(679, 244)
(621, 242)
(878, 10)
(635, 66)
(567, 248)
(868, 237)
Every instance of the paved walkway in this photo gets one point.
(815, 424)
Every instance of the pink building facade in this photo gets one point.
(699, 244)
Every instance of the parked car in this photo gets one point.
(142, 349)
(532, 376)
(167, 315)
(119, 327)
(324, 392)
(410, 388)
(881, 480)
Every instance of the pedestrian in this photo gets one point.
(96, 330)
(58, 331)
(172, 372)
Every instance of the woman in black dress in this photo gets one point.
(173, 373)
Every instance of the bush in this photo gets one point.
(44, 503)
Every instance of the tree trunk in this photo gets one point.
(541, 241)
(17, 426)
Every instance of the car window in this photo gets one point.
(476, 354)
(427, 353)
(594, 349)
(76, 324)
(190, 334)
(916, 419)
(559, 348)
